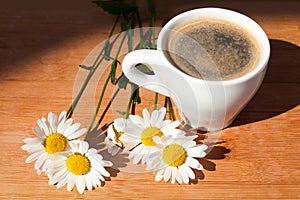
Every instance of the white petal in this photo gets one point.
(98, 175)
(184, 174)
(110, 132)
(58, 176)
(154, 118)
(130, 145)
(188, 171)
(145, 157)
(38, 132)
(167, 173)
(113, 150)
(136, 154)
(33, 148)
(120, 124)
(101, 169)
(33, 156)
(137, 120)
(97, 156)
(84, 147)
(70, 130)
(33, 141)
(43, 125)
(74, 145)
(63, 126)
(177, 175)
(157, 139)
(193, 163)
(158, 177)
(77, 134)
(95, 181)
(188, 144)
(63, 181)
(52, 122)
(40, 161)
(171, 125)
(71, 182)
(89, 181)
(161, 115)
(80, 184)
(91, 152)
(62, 117)
(166, 122)
(197, 151)
(173, 175)
(146, 117)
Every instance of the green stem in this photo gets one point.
(91, 72)
(97, 109)
(120, 47)
(108, 105)
(140, 25)
(153, 31)
(103, 91)
(170, 108)
(129, 105)
(155, 101)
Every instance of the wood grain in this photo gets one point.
(41, 46)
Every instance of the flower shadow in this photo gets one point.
(215, 150)
(96, 140)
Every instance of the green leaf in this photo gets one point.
(123, 82)
(136, 94)
(113, 71)
(130, 34)
(125, 25)
(120, 112)
(107, 50)
(144, 68)
(85, 67)
(115, 6)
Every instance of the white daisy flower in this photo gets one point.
(80, 166)
(139, 134)
(174, 158)
(52, 137)
(114, 132)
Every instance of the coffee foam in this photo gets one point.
(213, 49)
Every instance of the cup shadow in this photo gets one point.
(280, 90)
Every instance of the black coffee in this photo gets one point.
(213, 49)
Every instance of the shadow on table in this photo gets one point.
(214, 152)
(280, 90)
(96, 141)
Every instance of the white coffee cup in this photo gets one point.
(203, 104)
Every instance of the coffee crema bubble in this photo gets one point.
(212, 49)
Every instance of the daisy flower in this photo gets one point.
(114, 132)
(139, 134)
(52, 137)
(174, 158)
(80, 166)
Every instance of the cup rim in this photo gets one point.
(218, 13)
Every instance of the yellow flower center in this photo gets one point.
(78, 164)
(55, 142)
(174, 155)
(147, 135)
(118, 135)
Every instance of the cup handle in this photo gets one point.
(149, 57)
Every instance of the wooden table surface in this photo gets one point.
(43, 42)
